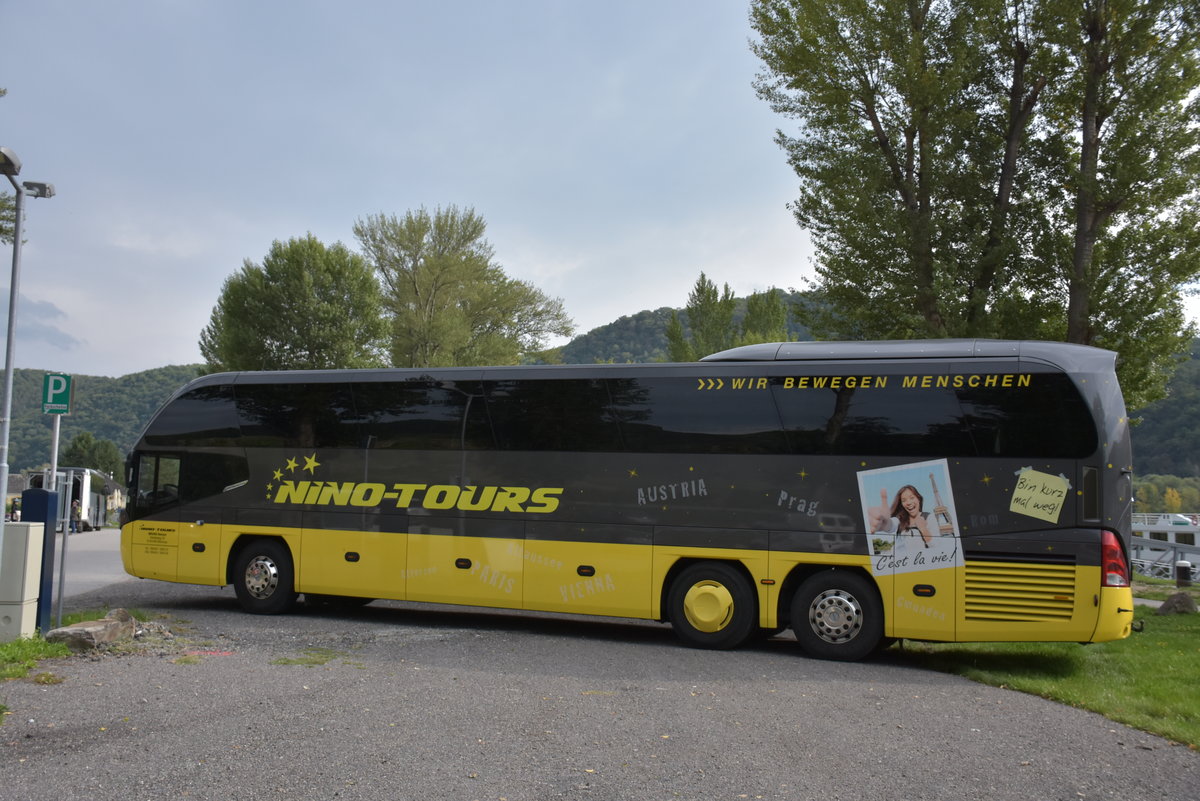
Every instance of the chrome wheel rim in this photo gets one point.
(262, 577)
(835, 616)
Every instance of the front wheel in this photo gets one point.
(836, 614)
(263, 577)
(712, 605)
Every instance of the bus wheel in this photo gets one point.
(836, 614)
(712, 605)
(263, 577)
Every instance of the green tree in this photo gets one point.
(710, 322)
(448, 300)
(307, 307)
(766, 318)
(712, 326)
(1015, 168)
(98, 454)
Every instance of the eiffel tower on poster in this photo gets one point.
(940, 513)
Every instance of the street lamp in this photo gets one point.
(10, 167)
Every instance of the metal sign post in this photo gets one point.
(56, 400)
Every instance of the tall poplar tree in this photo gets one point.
(1014, 168)
(710, 320)
(449, 301)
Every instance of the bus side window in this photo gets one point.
(680, 415)
(558, 415)
(203, 475)
(1045, 418)
(298, 416)
(881, 418)
(158, 481)
(422, 414)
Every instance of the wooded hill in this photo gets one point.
(1166, 439)
(116, 409)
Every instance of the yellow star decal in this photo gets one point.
(633, 473)
(278, 475)
(987, 480)
(291, 465)
(311, 464)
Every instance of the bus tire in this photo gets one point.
(263, 577)
(712, 605)
(837, 614)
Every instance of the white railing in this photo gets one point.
(1164, 569)
(1159, 542)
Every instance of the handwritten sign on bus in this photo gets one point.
(1039, 495)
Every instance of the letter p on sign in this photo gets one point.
(56, 394)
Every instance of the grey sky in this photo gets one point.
(615, 149)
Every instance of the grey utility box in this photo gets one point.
(20, 579)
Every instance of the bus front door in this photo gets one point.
(154, 536)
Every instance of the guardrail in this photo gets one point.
(1155, 557)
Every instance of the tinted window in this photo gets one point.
(1038, 415)
(686, 415)
(555, 415)
(298, 416)
(157, 482)
(422, 415)
(202, 475)
(201, 417)
(881, 418)
(1046, 418)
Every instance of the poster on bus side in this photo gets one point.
(909, 514)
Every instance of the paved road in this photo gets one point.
(93, 561)
(428, 703)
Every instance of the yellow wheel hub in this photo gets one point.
(708, 606)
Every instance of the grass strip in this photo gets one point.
(1149, 681)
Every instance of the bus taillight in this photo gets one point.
(1113, 567)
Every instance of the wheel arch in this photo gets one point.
(243, 540)
(683, 563)
(801, 573)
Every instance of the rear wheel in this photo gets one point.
(712, 605)
(263, 577)
(836, 614)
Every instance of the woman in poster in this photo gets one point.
(907, 515)
(906, 536)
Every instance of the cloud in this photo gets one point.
(38, 322)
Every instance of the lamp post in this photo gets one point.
(10, 167)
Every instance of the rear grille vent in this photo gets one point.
(1019, 593)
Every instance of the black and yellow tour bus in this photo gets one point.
(858, 492)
